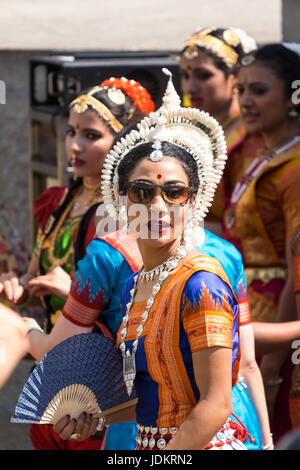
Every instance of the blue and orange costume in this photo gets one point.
(194, 310)
(95, 299)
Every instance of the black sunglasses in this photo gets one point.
(142, 193)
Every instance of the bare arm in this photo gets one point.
(271, 364)
(212, 369)
(13, 342)
(40, 343)
(270, 337)
(250, 371)
(286, 312)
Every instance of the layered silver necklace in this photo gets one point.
(162, 271)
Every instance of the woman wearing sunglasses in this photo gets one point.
(104, 279)
(179, 338)
(100, 272)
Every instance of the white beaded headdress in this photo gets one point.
(189, 128)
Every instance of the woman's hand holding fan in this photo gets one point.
(79, 429)
(82, 374)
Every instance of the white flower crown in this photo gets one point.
(190, 129)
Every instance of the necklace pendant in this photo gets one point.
(129, 371)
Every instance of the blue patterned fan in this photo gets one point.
(82, 373)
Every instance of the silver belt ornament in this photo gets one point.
(152, 442)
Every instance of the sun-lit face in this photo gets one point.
(158, 222)
(262, 97)
(88, 140)
(205, 85)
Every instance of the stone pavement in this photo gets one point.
(14, 436)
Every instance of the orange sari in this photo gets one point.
(258, 224)
(265, 215)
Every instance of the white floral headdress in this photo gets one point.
(189, 128)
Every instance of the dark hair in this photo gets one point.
(132, 126)
(142, 151)
(218, 61)
(125, 113)
(283, 62)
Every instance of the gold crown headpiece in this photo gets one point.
(189, 128)
(222, 48)
(81, 104)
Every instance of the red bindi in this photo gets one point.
(159, 176)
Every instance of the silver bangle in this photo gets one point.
(34, 329)
(270, 445)
(273, 382)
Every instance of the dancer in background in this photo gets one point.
(263, 210)
(66, 214)
(208, 64)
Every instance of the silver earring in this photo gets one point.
(293, 113)
(188, 230)
(124, 219)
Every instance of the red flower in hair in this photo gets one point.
(134, 90)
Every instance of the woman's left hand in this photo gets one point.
(76, 429)
(57, 281)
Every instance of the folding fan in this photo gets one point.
(82, 373)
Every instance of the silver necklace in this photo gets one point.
(129, 369)
(169, 264)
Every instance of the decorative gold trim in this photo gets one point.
(213, 44)
(52, 258)
(80, 105)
